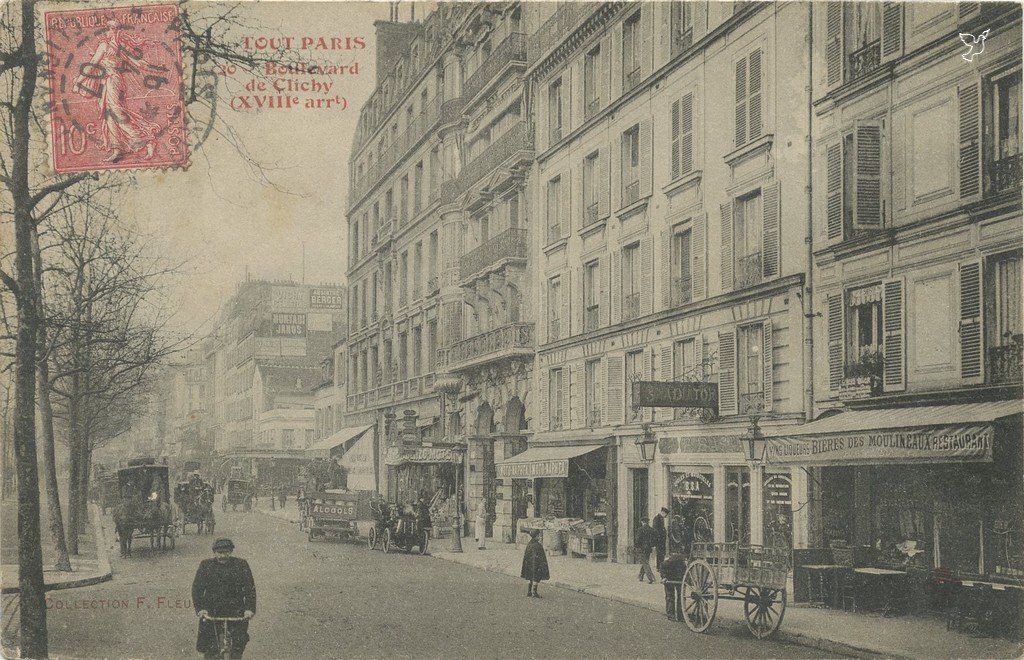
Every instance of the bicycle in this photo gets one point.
(224, 638)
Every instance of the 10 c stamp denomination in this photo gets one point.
(116, 88)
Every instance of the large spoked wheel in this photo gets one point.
(763, 609)
(424, 536)
(700, 596)
(386, 541)
(371, 538)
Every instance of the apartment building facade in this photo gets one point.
(917, 274)
(671, 190)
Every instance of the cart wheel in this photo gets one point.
(386, 542)
(700, 596)
(423, 542)
(371, 538)
(763, 609)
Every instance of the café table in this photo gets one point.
(882, 584)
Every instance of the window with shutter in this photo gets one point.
(681, 265)
(630, 166)
(604, 304)
(892, 30)
(835, 342)
(969, 103)
(591, 206)
(750, 368)
(591, 296)
(614, 369)
(972, 363)
(741, 102)
(632, 281)
(555, 400)
(634, 373)
(603, 184)
(725, 211)
(592, 74)
(834, 191)
(768, 363)
(727, 402)
(591, 385)
(646, 158)
(698, 250)
(554, 209)
(682, 136)
(647, 275)
(867, 192)
(893, 325)
(833, 44)
(1005, 123)
(1004, 322)
(770, 232)
(676, 167)
(754, 84)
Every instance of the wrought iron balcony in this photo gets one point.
(516, 140)
(591, 318)
(511, 49)
(748, 270)
(432, 285)
(510, 244)
(1007, 174)
(631, 79)
(865, 60)
(513, 340)
(630, 306)
(631, 193)
(561, 24)
(1003, 364)
(682, 291)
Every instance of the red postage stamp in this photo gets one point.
(116, 88)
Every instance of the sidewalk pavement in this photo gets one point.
(91, 566)
(833, 631)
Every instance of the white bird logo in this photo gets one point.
(973, 42)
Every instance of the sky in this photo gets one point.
(223, 221)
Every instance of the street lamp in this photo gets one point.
(460, 453)
(755, 442)
(646, 444)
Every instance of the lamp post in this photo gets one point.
(457, 523)
(755, 442)
(449, 386)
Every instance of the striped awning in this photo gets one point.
(919, 434)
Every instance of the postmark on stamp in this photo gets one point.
(116, 88)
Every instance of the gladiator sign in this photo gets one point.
(115, 88)
(675, 394)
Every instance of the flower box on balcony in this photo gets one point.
(860, 387)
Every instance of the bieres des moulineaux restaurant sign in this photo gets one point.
(938, 444)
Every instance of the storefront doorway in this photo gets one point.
(639, 478)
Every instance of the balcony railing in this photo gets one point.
(556, 29)
(432, 285)
(630, 306)
(1007, 173)
(748, 270)
(591, 108)
(682, 291)
(631, 193)
(590, 214)
(594, 417)
(555, 421)
(751, 402)
(1004, 364)
(591, 318)
(554, 329)
(554, 232)
(631, 79)
(509, 244)
(385, 232)
(511, 49)
(499, 343)
(865, 60)
(516, 139)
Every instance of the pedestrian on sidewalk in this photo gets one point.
(481, 526)
(223, 587)
(646, 539)
(282, 495)
(659, 531)
(535, 564)
(672, 571)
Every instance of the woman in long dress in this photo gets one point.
(535, 564)
(106, 78)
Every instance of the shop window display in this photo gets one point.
(737, 504)
(777, 496)
(692, 507)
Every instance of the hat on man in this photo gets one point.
(220, 545)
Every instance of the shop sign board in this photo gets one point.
(287, 297)
(289, 325)
(558, 467)
(358, 463)
(959, 443)
(325, 299)
(319, 322)
(675, 394)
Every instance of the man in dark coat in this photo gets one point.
(223, 587)
(535, 564)
(659, 531)
(672, 571)
(423, 514)
(645, 542)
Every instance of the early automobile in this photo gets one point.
(401, 530)
(237, 492)
(333, 513)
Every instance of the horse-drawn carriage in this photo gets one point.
(237, 492)
(397, 528)
(195, 500)
(144, 508)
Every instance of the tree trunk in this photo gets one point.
(31, 588)
(74, 441)
(46, 417)
(83, 487)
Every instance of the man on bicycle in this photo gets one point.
(223, 587)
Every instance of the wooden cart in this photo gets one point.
(755, 574)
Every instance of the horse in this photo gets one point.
(124, 525)
(155, 521)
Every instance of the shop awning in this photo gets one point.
(404, 456)
(921, 434)
(542, 462)
(334, 445)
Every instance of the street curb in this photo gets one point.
(799, 639)
(103, 561)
